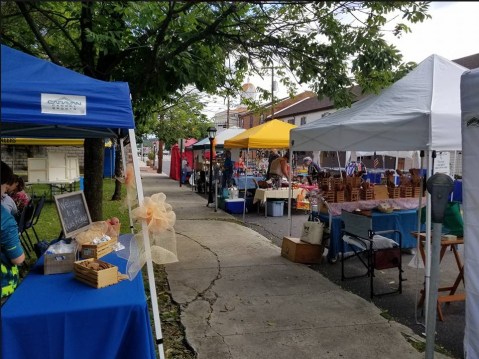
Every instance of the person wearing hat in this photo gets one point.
(313, 169)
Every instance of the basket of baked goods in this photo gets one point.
(385, 207)
(99, 239)
(97, 273)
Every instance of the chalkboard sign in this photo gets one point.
(73, 212)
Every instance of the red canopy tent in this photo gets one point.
(175, 164)
(188, 154)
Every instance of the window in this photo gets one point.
(291, 121)
(250, 121)
(303, 120)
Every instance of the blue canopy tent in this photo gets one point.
(43, 100)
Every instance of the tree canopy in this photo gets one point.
(162, 47)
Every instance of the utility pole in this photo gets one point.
(228, 100)
(272, 91)
(228, 113)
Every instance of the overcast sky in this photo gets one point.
(452, 32)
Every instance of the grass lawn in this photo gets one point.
(49, 227)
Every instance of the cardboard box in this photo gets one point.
(98, 250)
(105, 275)
(301, 252)
(58, 263)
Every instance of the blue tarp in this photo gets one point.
(42, 99)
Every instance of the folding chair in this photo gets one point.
(25, 217)
(36, 215)
(374, 251)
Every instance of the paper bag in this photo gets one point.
(312, 232)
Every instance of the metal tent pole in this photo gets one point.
(146, 241)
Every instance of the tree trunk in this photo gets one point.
(118, 171)
(160, 157)
(94, 154)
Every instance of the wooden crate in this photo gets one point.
(329, 196)
(352, 194)
(58, 263)
(336, 182)
(394, 192)
(406, 192)
(326, 182)
(366, 194)
(354, 181)
(103, 277)
(339, 196)
(416, 192)
(301, 252)
(96, 251)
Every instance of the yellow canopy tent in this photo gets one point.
(43, 141)
(272, 134)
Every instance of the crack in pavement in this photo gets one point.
(203, 294)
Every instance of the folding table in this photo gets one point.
(451, 296)
(57, 316)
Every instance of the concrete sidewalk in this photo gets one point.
(240, 299)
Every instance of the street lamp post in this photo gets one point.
(211, 137)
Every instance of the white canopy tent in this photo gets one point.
(421, 111)
(470, 135)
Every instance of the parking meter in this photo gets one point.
(440, 187)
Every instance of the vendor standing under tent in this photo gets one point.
(272, 156)
(228, 167)
(279, 169)
(313, 169)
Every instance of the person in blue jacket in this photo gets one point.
(11, 251)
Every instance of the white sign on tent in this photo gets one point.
(442, 163)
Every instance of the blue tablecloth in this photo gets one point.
(457, 192)
(56, 316)
(404, 221)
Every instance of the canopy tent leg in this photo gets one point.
(245, 185)
(290, 190)
(427, 268)
(123, 157)
(146, 240)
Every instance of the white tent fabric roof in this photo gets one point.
(421, 111)
(401, 154)
(220, 138)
